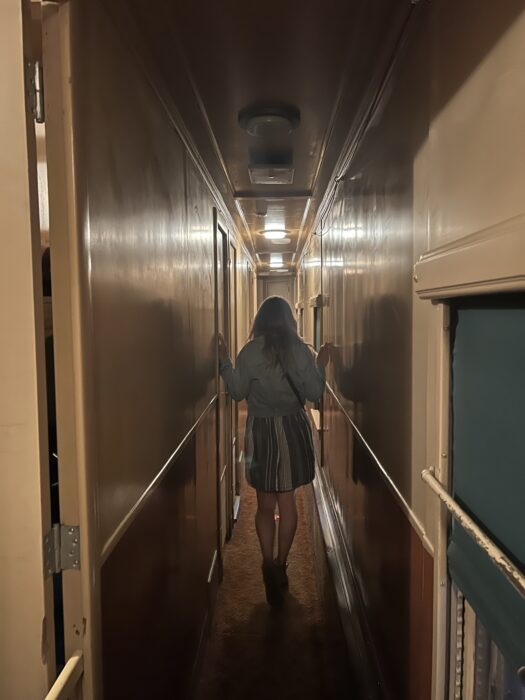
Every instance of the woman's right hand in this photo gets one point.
(324, 355)
(223, 349)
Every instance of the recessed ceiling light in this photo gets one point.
(282, 241)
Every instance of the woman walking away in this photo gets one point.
(277, 373)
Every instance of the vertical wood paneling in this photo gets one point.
(155, 593)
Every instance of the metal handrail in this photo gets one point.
(68, 681)
(400, 499)
(131, 515)
(491, 549)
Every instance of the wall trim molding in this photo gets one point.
(401, 501)
(489, 261)
(363, 656)
(134, 511)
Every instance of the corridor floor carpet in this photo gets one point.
(255, 652)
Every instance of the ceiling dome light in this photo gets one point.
(263, 119)
(267, 123)
(275, 234)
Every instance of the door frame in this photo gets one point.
(81, 588)
(221, 247)
(485, 262)
(27, 649)
(234, 339)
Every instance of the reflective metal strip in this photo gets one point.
(66, 686)
(37, 84)
(212, 567)
(507, 568)
(458, 650)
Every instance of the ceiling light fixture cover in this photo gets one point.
(261, 119)
(274, 234)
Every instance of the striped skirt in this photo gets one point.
(279, 452)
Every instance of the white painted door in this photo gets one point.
(279, 286)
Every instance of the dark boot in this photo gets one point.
(271, 585)
(281, 576)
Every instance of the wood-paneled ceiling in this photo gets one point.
(215, 58)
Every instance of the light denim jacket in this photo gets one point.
(266, 388)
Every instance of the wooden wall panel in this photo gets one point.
(441, 159)
(142, 235)
(155, 590)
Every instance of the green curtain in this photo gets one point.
(488, 441)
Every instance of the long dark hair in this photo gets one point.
(275, 321)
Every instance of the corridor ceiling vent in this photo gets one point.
(268, 175)
(261, 208)
(271, 164)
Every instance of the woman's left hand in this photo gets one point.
(223, 349)
(324, 355)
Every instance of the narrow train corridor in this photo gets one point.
(169, 169)
(296, 652)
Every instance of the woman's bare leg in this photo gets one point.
(287, 523)
(265, 523)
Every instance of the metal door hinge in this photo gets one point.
(36, 81)
(61, 549)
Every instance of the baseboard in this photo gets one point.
(365, 666)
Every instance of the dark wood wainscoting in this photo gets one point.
(156, 597)
(385, 572)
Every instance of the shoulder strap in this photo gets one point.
(291, 383)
